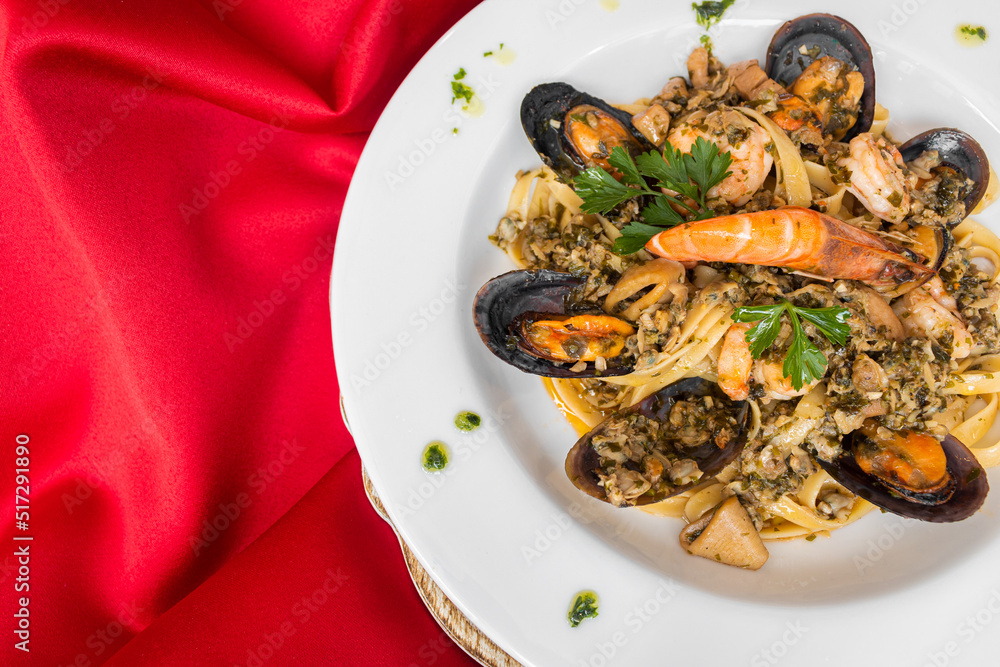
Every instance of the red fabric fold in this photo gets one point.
(171, 180)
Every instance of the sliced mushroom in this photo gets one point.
(726, 535)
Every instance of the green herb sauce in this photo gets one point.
(583, 607)
(971, 35)
(709, 13)
(435, 457)
(468, 421)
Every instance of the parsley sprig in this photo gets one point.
(691, 175)
(804, 362)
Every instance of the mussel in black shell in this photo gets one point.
(804, 45)
(964, 168)
(528, 319)
(573, 131)
(663, 445)
(911, 474)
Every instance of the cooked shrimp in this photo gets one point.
(935, 286)
(737, 366)
(746, 142)
(776, 384)
(924, 316)
(735, 363)
(795, 238)
(877, 178)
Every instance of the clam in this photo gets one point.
(959, 152)
(911, 474)
(573, 131)
(805, 40)
(528, 319)
(663, 445)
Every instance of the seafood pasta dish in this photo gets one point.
(763, 314)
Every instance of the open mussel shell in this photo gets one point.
(957, 150)
(544, 112)
(502, 301)
(930, 249)
(823, 35)
(583, 462)
(960, 499)
(938, 253)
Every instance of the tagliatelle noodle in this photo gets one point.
(879, 121)
(792, 177)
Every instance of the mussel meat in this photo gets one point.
(911, 474)
(803, 44)
(961, 157)
(663, 445)
(573, 131)
(527, 318)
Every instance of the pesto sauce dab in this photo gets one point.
(584, 606)
(467, 421)
(435, 457)
(707, 14)
(971, 35)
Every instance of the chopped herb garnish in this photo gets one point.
(584, 607)
(709, 13)
(487, 54)
(804, 362)
(691, 175)
(810, 537)
(454, 130)
(974, 31)
(435, 457)
(460, 91)
(468, 421)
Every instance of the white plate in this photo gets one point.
(502, 531)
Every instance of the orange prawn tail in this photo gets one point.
(794, 238)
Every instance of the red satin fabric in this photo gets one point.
(171, 179)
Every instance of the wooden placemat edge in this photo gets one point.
(462, 631)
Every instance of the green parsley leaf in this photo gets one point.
(600, 191)
(661, 214)
(668, 170)
(634, 238)
(706, 166)
(671, 170)
(460, 74)
(763, 334)
(831, 321)
(804, 362)
(623, 162)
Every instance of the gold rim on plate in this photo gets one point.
(462, 631)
